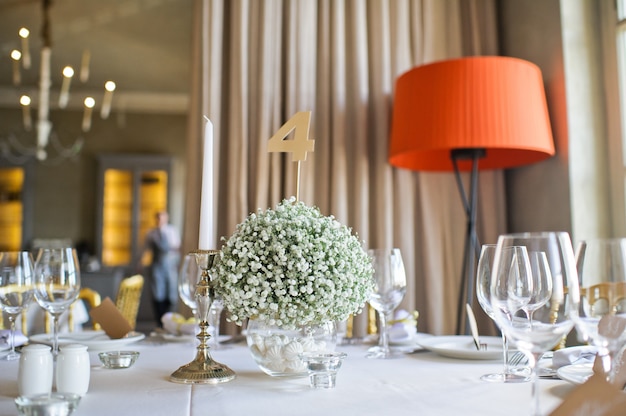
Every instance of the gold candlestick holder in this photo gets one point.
(203, 369)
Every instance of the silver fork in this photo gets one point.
(518, 358)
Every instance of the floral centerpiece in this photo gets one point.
(292, 267)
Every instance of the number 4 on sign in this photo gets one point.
(299, 145)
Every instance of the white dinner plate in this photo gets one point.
(463, 347)
(94, 340)
(575, 373)
(177, 338)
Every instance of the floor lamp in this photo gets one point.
(469, 114)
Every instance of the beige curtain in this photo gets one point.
(260, 62)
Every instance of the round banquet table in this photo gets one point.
(421, 383)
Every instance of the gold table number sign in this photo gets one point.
(299, 146)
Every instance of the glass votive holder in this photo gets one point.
(322, 368)
(118, 359)
(52, 404)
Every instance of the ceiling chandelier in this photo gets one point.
(40, 138)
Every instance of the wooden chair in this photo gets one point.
(128, 298)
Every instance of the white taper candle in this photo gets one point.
(64, 96)
(23, 32)
(109, 87)
(206, 238)
(17, 75)
(28, 121)
(89, 104)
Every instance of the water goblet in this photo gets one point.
(483, 285)
(541, 281)
(57, 284)
(601, 265)
(389, 288)
(16, 290)
(511, 292)
(188, 279)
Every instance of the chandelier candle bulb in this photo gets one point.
(68, 73)
(24, 33)
(44, 84)
(206, 238)
(89, 104)
(84, 66)
(109, 87)
(28, 121)
(17, 75)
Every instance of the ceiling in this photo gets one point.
(142, 45)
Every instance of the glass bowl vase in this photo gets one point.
(277, 351)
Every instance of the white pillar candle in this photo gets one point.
(64, 96)
(89, 104)
(206, 238)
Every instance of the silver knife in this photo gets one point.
(474, 328)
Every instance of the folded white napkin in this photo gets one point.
(5, 335)
(574, 355)
(403, 327)
(176, 324)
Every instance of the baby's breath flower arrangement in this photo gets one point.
(292, 266)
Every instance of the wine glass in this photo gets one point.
(483, 285)
(601, 265)
(541, 281)
(188, 279)
(57, 284)
(513, 288)
(389, 288)
(16, 289)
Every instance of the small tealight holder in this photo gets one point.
(118, 359)
(323, 367)
(52, 404)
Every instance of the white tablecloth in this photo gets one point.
(417, 384)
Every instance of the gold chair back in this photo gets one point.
(606, 298)
(129, 297)
(89, 296)
(92, 298)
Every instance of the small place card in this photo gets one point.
(596, 397)
(110, 319)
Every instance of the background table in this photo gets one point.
(422, 383)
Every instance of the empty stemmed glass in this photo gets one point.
(541, 283)
(483, 286)
(553, 319)
(389, 288)
(57, 284)
(601, 265)
(187, 281)
(16, 289)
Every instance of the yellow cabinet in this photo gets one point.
(132, 189)
(15, 207)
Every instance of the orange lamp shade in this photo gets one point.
(487, 102)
